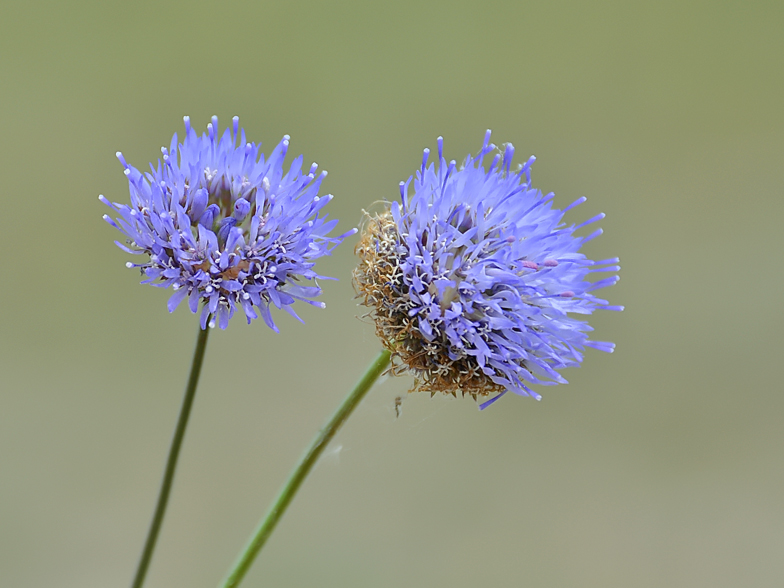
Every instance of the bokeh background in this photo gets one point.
(660, 465)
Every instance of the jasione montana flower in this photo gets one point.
(224, 227)
(473, 278)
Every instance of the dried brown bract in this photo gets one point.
(380, 284)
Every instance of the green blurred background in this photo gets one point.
(660, 465)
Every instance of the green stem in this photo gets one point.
(171, 462)
(301, 471)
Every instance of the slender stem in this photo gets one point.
(171, 462)
(301, 471)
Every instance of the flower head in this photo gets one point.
(472, 279)
(226, 228)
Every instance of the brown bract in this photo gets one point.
(380, 284)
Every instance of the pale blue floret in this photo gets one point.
(225, 228)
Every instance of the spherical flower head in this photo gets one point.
(472, 279)
(226, 228)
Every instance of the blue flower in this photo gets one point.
(473, 279)
(224, 227)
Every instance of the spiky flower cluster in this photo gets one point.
(226, 228)
(471, 279)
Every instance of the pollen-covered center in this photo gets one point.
(441, 359)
